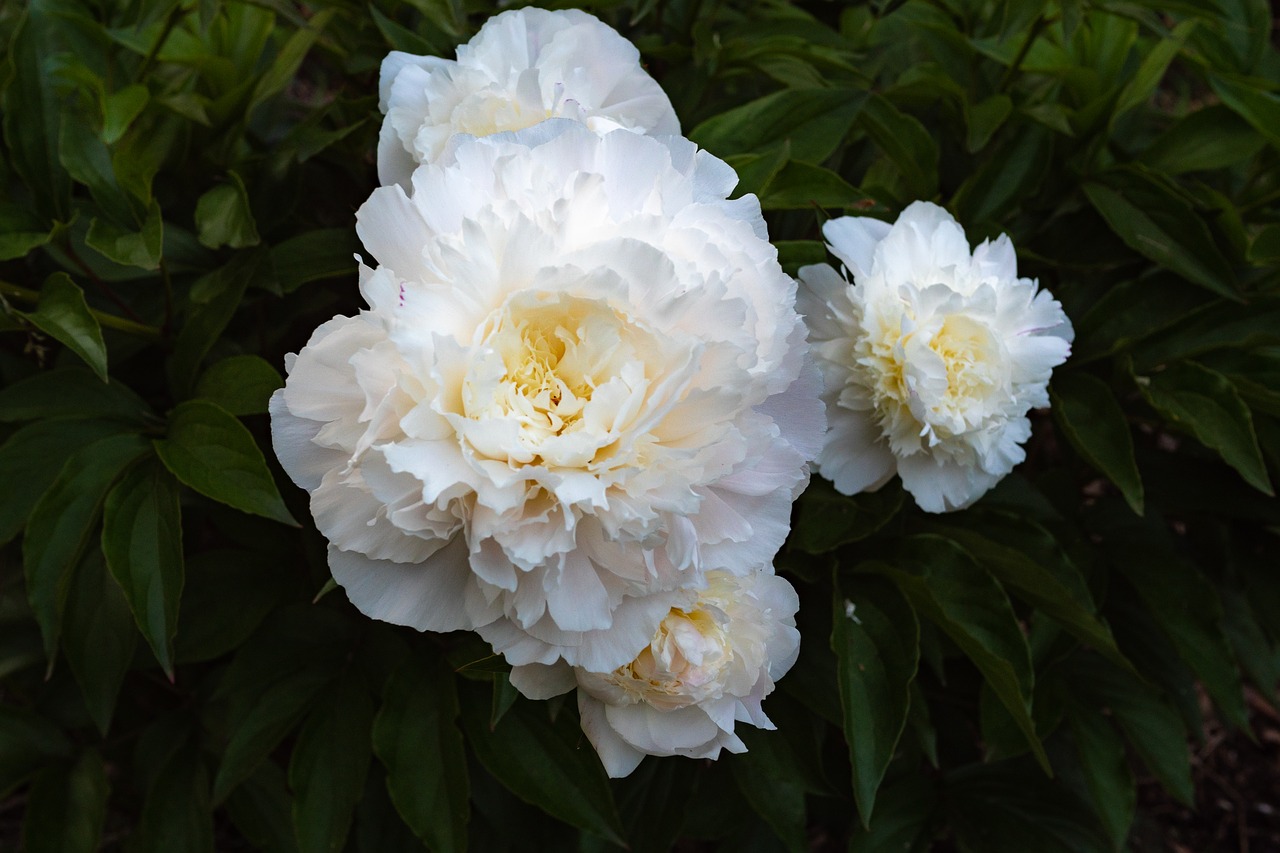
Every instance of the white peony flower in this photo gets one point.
(577, 388)
(713, 659)
(523, 67)
(931, 356)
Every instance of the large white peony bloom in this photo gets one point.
(577, 388)
(713, 659)
(523, 67)
(931, 357)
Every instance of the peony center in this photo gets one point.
(552, 378)
(686, 662)
(488, 112)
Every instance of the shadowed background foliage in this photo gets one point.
(177, 188)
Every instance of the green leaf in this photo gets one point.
(141, 248)
(876, 638)
(1008, 806)
(961, 598)
(541, 762)
(1154, 728)
(827, 519)
(985, 118)
(1142, 85)
(64, 315)
(1205, 403)
(66, 807)
(215, 298)
(99, 638)
(416, 738)
(70, 392)
(813, 121)
(1159, 224)
(21, 230)
(32, 112)
(177, 814)
(1106, 770)
(653, 801)
(1095, 425)
(314, 256)
(771, 784)
(329, 765)
(33, 456)
(262, 810)
(906, 142)
(1010, 172)
(241, 384)
(260, 728)
(1210, 138)
(62, 524)
(28, 742)
(286, 63)
(223, 217)
(801, 186)
(142, 541)
(1043, 576)
(1264, 248)
(210, 451)
(1186, 607)
(906, 808)
(120, 108)
(1258, 107)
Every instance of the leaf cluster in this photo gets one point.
(177, 184)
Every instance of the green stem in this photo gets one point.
(111, 321)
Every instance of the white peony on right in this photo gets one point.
(711, 662)
(931, 356)
(523, 67)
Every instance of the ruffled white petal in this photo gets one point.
(930, 358)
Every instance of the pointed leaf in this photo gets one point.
(961, 598)
(547, 764)
(1205, 402)
(210, 451)
(99, 638)
(1159, 224)
(66, 807)
(63, 523)
(329, 765)
(142, 541)
(876, 638)
(814, 121)
(223, 217)
(64, 315)
(1095, 425)
(241, 384)
(416, 738)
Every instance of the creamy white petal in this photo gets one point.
(425, 596)
(539, 681)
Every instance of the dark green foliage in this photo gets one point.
(177, 187)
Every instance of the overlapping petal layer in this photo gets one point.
(523, 67)
(580, 385)
(931, 357)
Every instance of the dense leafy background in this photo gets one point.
(179, 181)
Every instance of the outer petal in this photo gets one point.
(941, 485)
(618, 756)
(425, 596)
(539, 681)
(853, 239)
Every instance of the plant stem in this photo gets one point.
(111, 321)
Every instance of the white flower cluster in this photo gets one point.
(579, 406)
(931, 357)
(581, 402)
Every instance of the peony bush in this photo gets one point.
(711, 425)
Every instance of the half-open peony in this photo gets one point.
(578, 387)
(714, 657)
(931, 357)
(523, 67)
